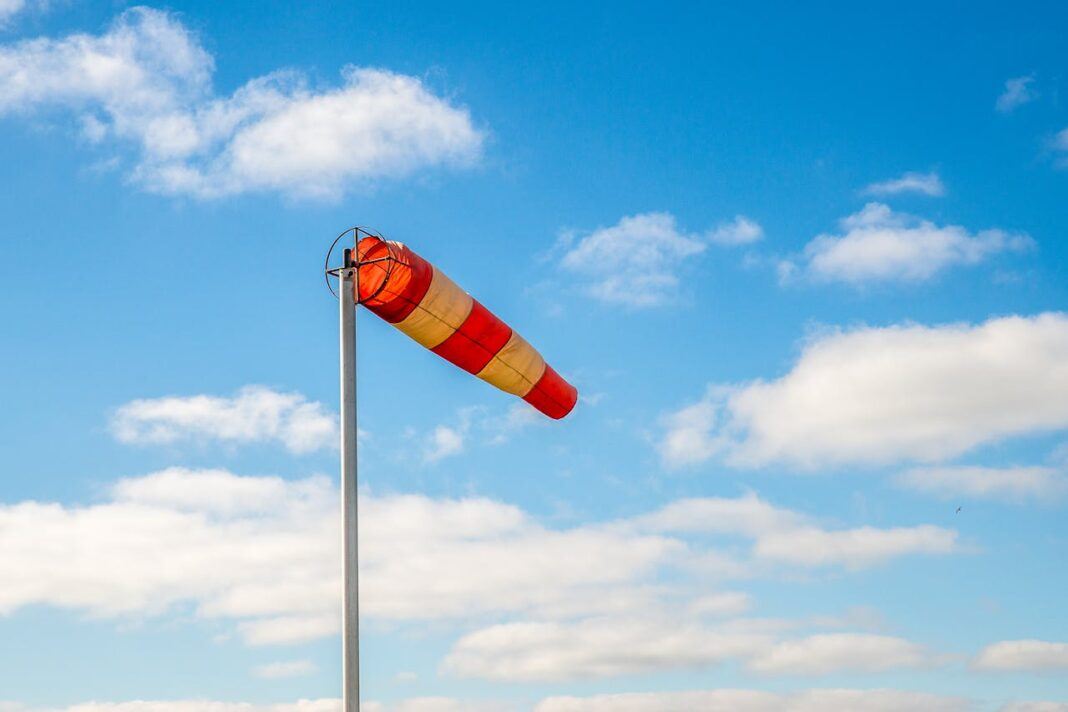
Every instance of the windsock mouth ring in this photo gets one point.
(355, 231)
(391, 280)
(375, 260)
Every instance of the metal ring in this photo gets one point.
(355, 230)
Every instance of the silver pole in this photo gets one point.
(350, 608)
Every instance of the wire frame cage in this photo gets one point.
(384, 271)
(357, 232)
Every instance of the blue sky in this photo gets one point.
(806, 267)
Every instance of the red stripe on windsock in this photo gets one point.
(552, 395)
(391, 288)
(477, 340)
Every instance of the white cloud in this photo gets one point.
(1060, 144)
(635, 262)
(690, 434)
(261, 554)
(739, 231)
(747, 515)
(1034, 707)
(924, 183)
(216, 492)
(1023, 655)
(880, 245)
(416, 704)
(475, 425)
(1012, 483)
(638, 261)
(519, 416)
(255, 414)
(286, 669)
(146, 81)
(444, 442)
(278, 629)
(633, 637)
(728, 603)
(786, 537)
(758, 701)
(1018, 91)
(10, 8)
(831, 700)
(881, 395)
(459, 559)
(594, 648)
(325, 705)
(854, 548)
(274, 556)
(613, 646)
(840, 652)
(446, 704)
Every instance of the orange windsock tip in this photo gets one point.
(420, 300)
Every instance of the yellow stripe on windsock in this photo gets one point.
(439, 313)
(515, 368)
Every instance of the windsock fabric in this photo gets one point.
(420, 300)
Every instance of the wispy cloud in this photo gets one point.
(614, 646)
(440, 704)
(285, 670)
(728, 603)
(879, 245)
(635, 262)
(444, 441)
(146, 83)
(853, 548)
(923, 183)
(692, 434)
(739, 231)
(783, 536)
(475, 425)
(638, 261)
(842, 652)
(519, 416)
(1040, 484)
(254, 414)
(884, 395)
(1060, 145)
(758, 701)
(1028, 655)
(10, 8)
(1018, 91)
(594, 648)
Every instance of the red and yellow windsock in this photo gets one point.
(420, 300)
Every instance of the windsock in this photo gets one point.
(420, 300)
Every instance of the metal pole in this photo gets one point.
(350, 608)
